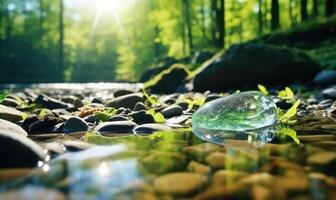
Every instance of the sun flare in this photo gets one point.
(112, 5)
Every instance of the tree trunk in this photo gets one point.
(290, 11)
(304, 14)
(188, 25)
(260, 18)
(315, 8)
(203, 19)
(213, 21)
(41, 9)
(330, 7)
(61, 36)
(275, 20)
(221, 24)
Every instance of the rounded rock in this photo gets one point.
(150, 128)
(172, 111)
(116, 127)
(75, 124)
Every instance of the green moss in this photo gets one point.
(158, 77)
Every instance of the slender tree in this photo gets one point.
(315, 8)
(186, 6)
(275, 20)
(260, 18)
(330, 7)
(61, 36)
(221, 24)
(304, 13)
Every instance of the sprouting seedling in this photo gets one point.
(152, 100)
(286, 94)
(263, 89)
(105, 115)
(158, 116)
(4, 94)
(287, 117)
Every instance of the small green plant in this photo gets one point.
(4, 94)
(151, 99)
(263, 89)
(158, 117)
(286, 94)
(287, 117)
(195, 102)
(43, 113)
(285, 131)
(105, 115)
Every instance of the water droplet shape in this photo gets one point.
(235, 117)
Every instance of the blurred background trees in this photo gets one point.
(110, 40)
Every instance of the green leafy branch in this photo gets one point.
(158, 116)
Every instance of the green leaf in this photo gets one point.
(158, 117)
(105, 115)
(290, 133)
(4, 94)
(151, 99)
(286, 118)
(263, 89)
(286, 94)
(43, 113)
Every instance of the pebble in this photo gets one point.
(44, 125)
(10, 114)
(32, 193)
(216, 160)
(322, 158)
(116, 127)
(199, 168)
(330, 93)
(119, 93)
(145, 129)
(11, 127)
(126, 101)
(90, 119)
(141, 117)
(118, 118)
(16, 150)
(50, 103)
(73, 146)
(172, 111)
(223, 177)
(180, 183)
(139, 106)
(75, 124)
(10, 102)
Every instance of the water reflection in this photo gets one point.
(259, 136)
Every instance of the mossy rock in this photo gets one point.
(246, 65)
(168, 80)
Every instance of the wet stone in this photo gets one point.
(172, 111)
(117, 118)
(44, 125)
(11, 127)
(232, 116)
(116, 127)
(119, 93)
(50, 103)
(74, 146)
(126, 101)
(330, 92)
(141, 117)
(179, 184)
(199, 168)
(75, 124)
(139, 106)
(10, 114)
(16, 150)
(145, 129)
(90, 119)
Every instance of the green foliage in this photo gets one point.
(151, 99)
(158, 116)
(195, 102)
(284, 131)
(287, 118)
(4, 94)
(263, 89)
(158, 77)
(43, 113)
(104, 116)
(286, 94)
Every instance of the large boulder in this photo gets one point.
(168, 80)
(158, 68)
(249, 64)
